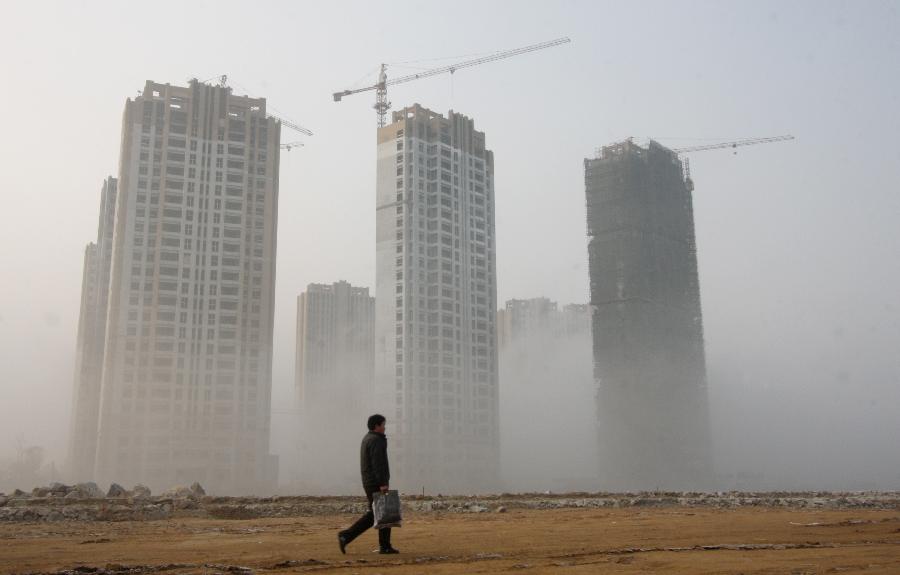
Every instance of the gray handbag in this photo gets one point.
(386, 507)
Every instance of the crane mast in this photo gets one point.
(382, 104)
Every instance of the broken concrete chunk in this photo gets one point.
(140, 491)
(116, 490)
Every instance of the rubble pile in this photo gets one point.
(86, 502)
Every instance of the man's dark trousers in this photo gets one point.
(366, 521)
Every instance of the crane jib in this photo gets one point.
(382, 105)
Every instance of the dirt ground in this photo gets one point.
(567, 541)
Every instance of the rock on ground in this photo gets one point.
(116, 490)
(140, 491)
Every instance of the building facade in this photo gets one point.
(186, 386)
(90, 341)
(334, 380)
(435, 340)
(649, 361)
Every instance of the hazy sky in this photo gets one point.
(799, 242)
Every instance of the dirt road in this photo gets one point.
(567, 541)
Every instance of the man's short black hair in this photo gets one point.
(375, 421)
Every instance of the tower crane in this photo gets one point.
(721, 145)
(382, 105)
(222, 82)
(290, 125)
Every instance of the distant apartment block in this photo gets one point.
(539, 318)
(186, 388)
(90, 341)
(435, 339)
(334, 380)
(648, 351)
(335, 349)
(526, 318)
(546, 381)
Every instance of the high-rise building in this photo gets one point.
(435, 339)
(539, 319)
(334, 378)
(90, 341)
(647, 327)
(187, 369)
(535, 318)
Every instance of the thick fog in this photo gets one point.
(547, 413)
(814, 404)
(798, 243)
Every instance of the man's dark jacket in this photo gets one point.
(373, 461)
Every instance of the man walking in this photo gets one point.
(376, 475)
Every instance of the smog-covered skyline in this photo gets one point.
(797, 241)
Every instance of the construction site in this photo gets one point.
(578, 533)
(581, 362)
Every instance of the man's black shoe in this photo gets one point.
(342, 543)
(388, 551)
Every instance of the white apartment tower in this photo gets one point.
(90, 341)
(187, 369)
(436, 339)
(333, 381)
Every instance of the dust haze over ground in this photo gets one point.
(798, 243)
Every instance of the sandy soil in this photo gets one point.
(567, 541)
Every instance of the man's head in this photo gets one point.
(376, 423)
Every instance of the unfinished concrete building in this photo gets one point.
(649, 363)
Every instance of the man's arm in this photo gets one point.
(380, 464)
